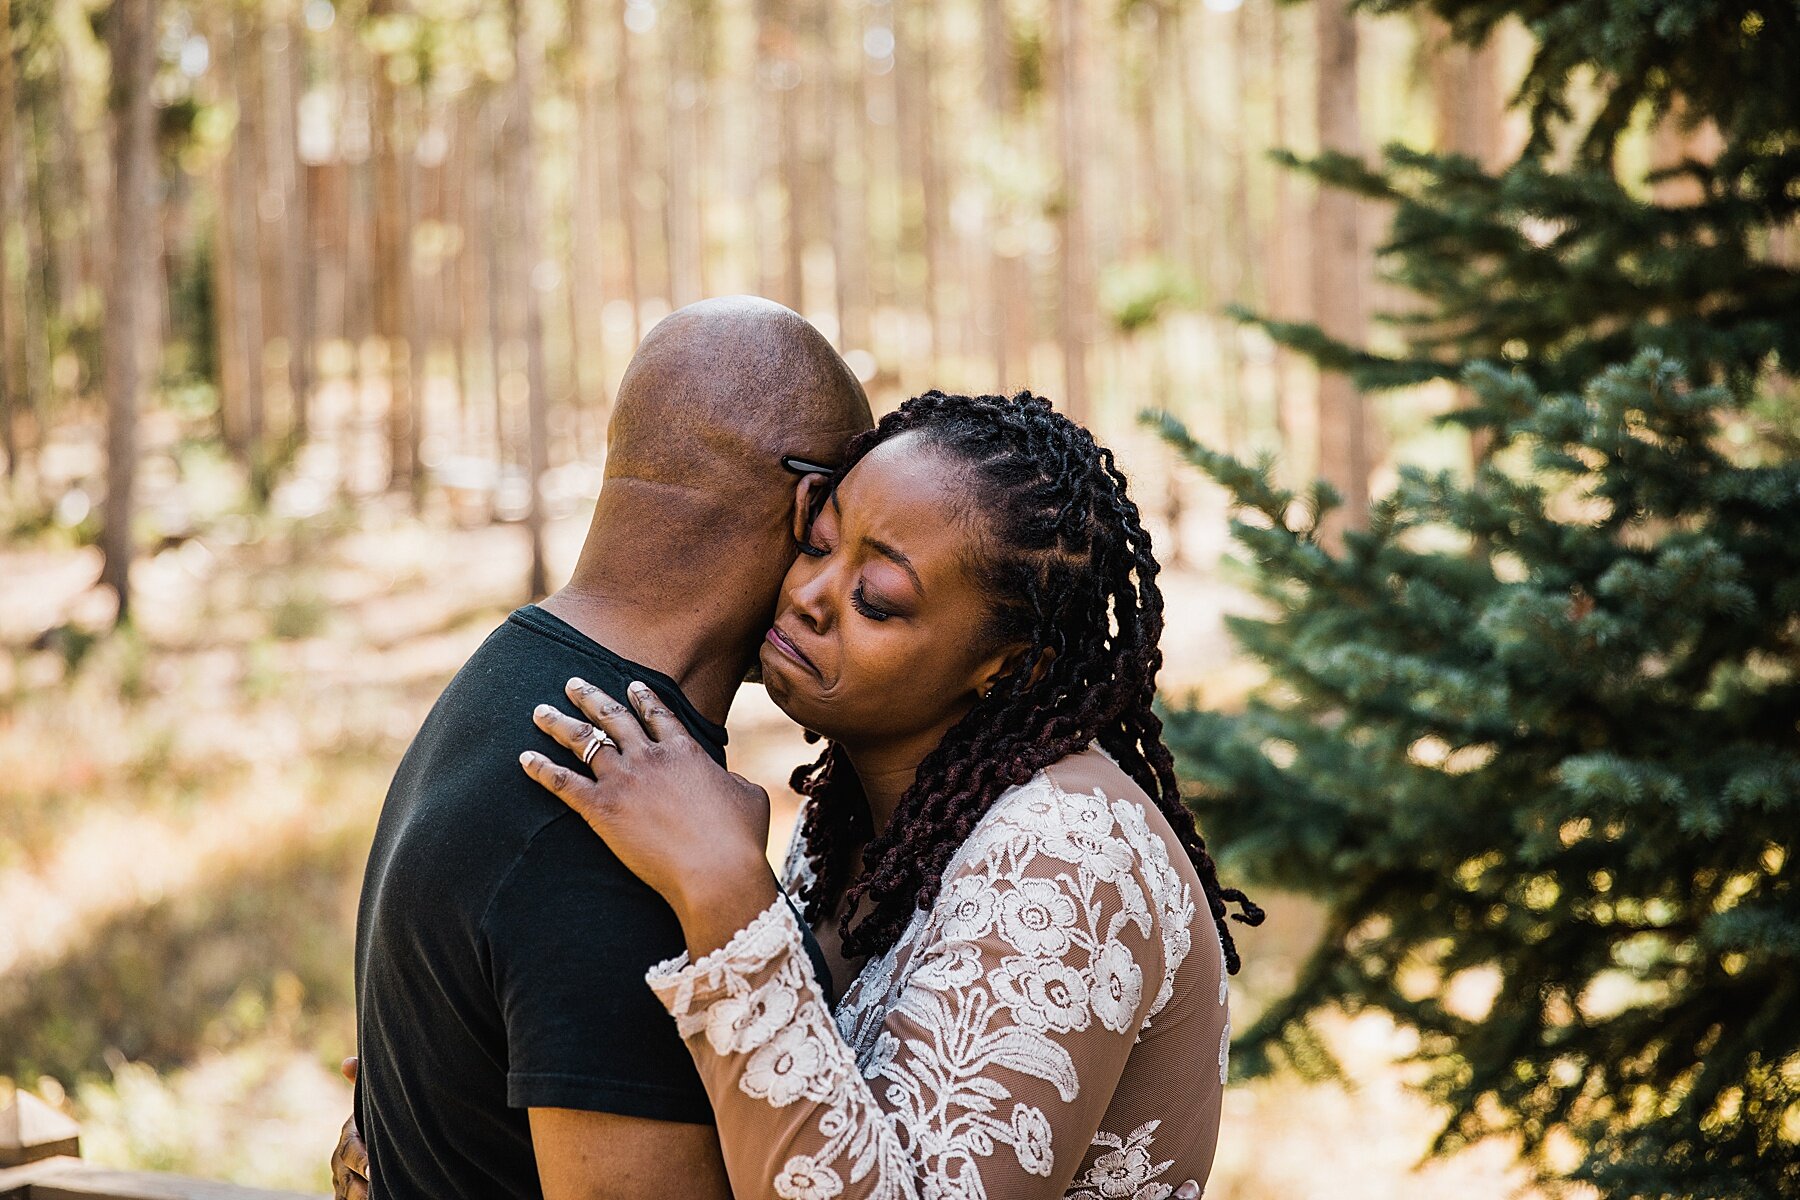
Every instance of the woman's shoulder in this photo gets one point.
(1083, 808)
(1084, 827)
(1094, 772)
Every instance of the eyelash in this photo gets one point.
(861, 604)
(858, 600)
(806, 543)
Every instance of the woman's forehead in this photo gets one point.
(909, 471)
(912, 498)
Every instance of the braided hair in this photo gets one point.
(1068, 571)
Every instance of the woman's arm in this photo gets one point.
(1023, 995)
(995, 1062)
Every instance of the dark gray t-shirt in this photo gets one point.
(500, 946)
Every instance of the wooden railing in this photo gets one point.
(40, 1151)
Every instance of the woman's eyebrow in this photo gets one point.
(899, 559)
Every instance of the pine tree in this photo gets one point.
(1534, 736)
(1561, 263)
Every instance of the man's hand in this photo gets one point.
(350, 1161)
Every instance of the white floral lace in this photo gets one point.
(984, 1053)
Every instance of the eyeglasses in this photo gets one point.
(805, 466)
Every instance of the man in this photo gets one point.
(509, 1046)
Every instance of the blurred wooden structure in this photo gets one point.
(38, 1161)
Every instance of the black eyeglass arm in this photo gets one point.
(802, 466)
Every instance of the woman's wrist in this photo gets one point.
(715, 906)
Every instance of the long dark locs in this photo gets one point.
(1067, 565)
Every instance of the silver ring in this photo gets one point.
(592, 748)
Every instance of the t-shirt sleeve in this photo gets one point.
(570, 934)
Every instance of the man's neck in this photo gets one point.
(706, 661)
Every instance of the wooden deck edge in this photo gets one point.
(72, 1179)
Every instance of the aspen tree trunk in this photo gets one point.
(246, 274)
(1469, 107)
(850, 206)
(36, 283)
(1173, 214)
(586, 282)
(265, 168)
(1465, 91)
(656, 136)
(913, 285)
(1159, 230)
(12, 382)
(706, 38)
(460, 170)
(392, 267)
(526, 252)
(496, 291)
(358, 89)
(1193, 135)
(1009, 287)
(1239, 237)
(1072, 308)
(1152, 215)
(1280, 257)
(298, 275)
(1338, 270)
(417, 182)
(921, 180)
(225, 311)
(936, 194)
(625, 114)
(792, 161)
(80, 248)
(831, 92)
(132, 34)
(681, 210)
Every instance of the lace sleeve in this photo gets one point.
(1022, 996)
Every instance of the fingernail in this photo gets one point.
(639, 689)
(542, 710)
(578, 683)
(525, 758)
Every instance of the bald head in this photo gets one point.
(719, 390)
(697, 523)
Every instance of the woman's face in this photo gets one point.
(882, 638)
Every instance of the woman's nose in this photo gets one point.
(810, 598)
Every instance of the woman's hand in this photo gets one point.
(678, 820)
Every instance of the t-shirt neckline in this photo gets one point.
(540, 620)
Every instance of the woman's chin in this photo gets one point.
(778, 677)
(793, 690)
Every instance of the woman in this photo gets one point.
(994, 853)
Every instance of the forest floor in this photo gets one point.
(185, 811)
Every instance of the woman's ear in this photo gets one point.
(1011, 661)
(808, 494)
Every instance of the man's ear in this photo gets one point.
(808, 494)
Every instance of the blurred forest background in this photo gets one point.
(310, 314)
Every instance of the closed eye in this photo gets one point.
(809, 545)
(860, 603)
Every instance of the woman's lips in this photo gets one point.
(780, 641)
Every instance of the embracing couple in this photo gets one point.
(994, 964)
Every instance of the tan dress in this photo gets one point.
(1043, 1030)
